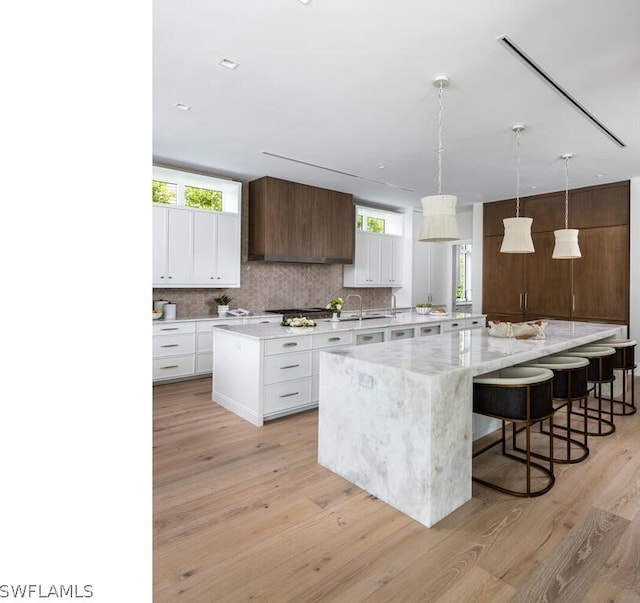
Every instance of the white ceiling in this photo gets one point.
(348, 85)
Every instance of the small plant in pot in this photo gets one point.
(223, 302)
(423, 308)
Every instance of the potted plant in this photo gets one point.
(223, 304)
(335, 305)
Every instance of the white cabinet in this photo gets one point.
(377, 263)
(216, 250)
(173, 350)
(184, 349)
(172, 247)
(195, 248)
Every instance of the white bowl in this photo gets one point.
(422, 310)
(155, 315)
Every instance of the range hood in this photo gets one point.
(292, 222)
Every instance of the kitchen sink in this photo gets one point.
(370, 317)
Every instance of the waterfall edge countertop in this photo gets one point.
(325, 325)
(396, 419)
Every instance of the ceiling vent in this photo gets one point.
(529, 62)
(320, 167)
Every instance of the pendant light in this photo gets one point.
(566, 247)
(439, 211)
(517, 231)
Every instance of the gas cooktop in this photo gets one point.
(292, 312)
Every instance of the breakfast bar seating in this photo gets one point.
(523, 396)
(601, 362)
(570, 384)
(624, 361)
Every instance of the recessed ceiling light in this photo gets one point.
(304, 1)
(533, 186)
(183, 107)
(600, 175)
(381, 167)
(228, 63)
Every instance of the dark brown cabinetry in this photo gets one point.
(292, 222)
(594, 287)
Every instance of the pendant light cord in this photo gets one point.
(566, 193)
(517, 173)
(439, 150)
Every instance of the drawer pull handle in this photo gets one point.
(289, 366)
(455, 324)
(288, 395)
(334, 338)
(264, 322)
(170, 345)
(169, 329)
(367, 338)
(426, 330)
(398, 333)
(290, 344)
(170, 366)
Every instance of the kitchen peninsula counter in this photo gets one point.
(396, 420)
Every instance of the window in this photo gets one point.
(164, 192)
(462, 272)
(185, 189)
(379, 221)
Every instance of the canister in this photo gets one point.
(169, 311)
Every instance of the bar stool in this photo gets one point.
(570, 384)
(520, 395)
(600, 372)
(624, 361)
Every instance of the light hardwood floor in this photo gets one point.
(243, 513)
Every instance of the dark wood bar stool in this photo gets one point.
(523, 396)
(570, 384)
(601, 360)
(624, 362)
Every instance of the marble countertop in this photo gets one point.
(325, 325)
(475, 349)
(214, 317)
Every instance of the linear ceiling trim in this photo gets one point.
(529, 62)
(396, 186)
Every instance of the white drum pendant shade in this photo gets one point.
(566, 247)
(517, 236)
(439, 222)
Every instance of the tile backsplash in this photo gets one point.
(268, 285)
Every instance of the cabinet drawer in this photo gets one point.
(454, 325)
(173, 345)
(474, 323)
(284, 367)
(283, 396)
(283, 345)
(175, 366)
(169, 328)
(329, 340)
(258, 320)
(406, 333)
(364, 338)
(205, 326)
(430, 330)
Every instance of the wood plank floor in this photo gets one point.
(243, 513)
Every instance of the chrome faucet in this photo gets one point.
(393, 305)
(359, 299)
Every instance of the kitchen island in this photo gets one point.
(396, 420)
(266, 371)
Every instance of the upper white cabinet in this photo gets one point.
(216, 250)
(378, 261)
(195, 248)
(196, 230)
